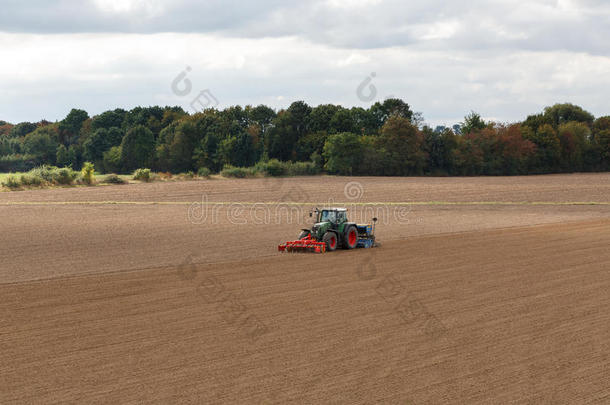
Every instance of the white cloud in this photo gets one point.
(502, 58)
(147, 7)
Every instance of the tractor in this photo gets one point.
(330, 231)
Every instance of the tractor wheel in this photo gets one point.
(331, 241)
(304, 234)
(351, 238)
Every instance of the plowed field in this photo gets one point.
(485, 290)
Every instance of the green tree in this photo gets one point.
(311, 143)
(206, 153)
(226, 149)
(573, 138)
(400, 145)
(342, 121)
(261, 115)
(182, 146)
(172, 114)
(563, 113)
(381, 112)
(439, 146)
(472, 123)
(320, 117)
(299, 113)
(548, 148)
(114, 136)
(602, 141)
(137, 148)
(535, 121)
(62, 158)
(112, 160)
(42, 144)
(364, 121)
(4, 146)
(237, 150)
(75, 156)
(96, 145)
(69, 127)
(597, 152)
(602, 124)
(282, 138)
(108, 119)
(342, 153)
(22, 129)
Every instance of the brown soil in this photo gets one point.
(461, 304)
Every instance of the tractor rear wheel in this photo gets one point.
(351, 237)
(331, 241)
(304, 234)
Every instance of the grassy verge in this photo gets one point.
(42, 176)
(273, 168)
(50, 177)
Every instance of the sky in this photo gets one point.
(504, 59)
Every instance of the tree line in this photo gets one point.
(387, 139)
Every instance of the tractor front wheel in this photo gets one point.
(331, 241)
(351, 237)
(304, 234)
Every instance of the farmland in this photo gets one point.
(485, 290)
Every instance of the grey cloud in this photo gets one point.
(578, 26)
(73, 16)
(503, 58)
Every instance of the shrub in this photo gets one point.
(64, 175)
(302, 169)
(53, 175)
(31, 180)
(87, 173)
(276, 168)
(11, 182)
(204, 172)
(42, 176)
(164, 175)
(45, 172)
(142, 175)
(238, 172)
(114, 179)
(316, 159)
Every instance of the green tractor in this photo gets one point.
(331, 230)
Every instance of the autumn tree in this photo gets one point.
(400, 145)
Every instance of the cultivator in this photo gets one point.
(307, 244)
(330, 231)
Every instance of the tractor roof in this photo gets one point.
(333, 209)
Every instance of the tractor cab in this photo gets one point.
(333, 215)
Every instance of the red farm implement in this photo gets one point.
(307, 244)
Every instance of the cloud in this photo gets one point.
(502, 58)
(574, 25)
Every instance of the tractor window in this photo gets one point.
(341, 217)
(328, 216)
